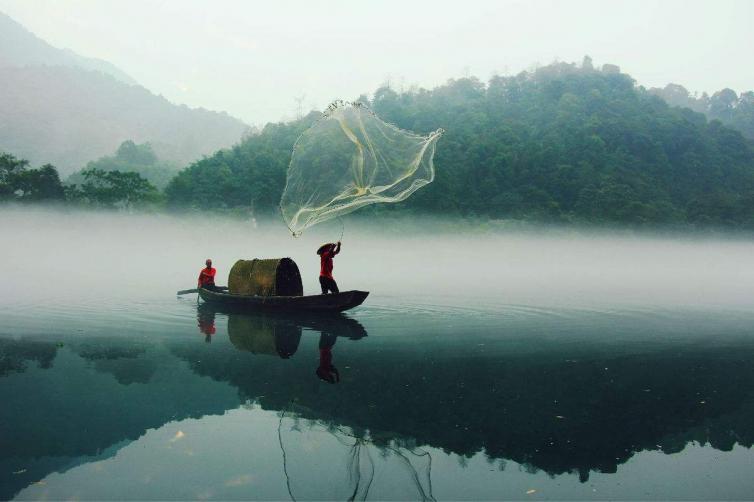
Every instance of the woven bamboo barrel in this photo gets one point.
(272, 277)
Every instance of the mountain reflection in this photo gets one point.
(16, 354)
(553, 406)
(561, 409)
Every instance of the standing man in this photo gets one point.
(326, 253)
(207, 277)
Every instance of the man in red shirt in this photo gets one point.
(207, 277)
(326, 253)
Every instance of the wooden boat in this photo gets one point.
(337, 302)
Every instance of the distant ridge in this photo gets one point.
(20, 47)
(65, 109)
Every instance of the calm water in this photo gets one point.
(481, 367)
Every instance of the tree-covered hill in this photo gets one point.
(130, 157)
(563, 143)
(727, 106)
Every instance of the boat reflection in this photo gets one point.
(264, 335)
(280, 334)
(552, 406)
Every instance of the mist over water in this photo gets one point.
(104, 258)
(482, 365)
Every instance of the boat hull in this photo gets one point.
(337, 302)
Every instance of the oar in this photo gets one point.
(187, 291)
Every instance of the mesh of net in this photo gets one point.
(350, 158)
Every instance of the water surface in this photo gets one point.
(527, 365)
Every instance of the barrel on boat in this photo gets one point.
(270, 277)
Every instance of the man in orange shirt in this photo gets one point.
(207, 277)
(326, 253)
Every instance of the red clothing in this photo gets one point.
(207, 277)
(207, 326)
(325, 269)
(325, 358)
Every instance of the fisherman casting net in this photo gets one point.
(350, 158)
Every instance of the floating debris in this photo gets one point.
(178, 435)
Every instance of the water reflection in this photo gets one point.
(558, 408)
(326, 370)
(125, 360)
(278, 333)
(205, 320)
(261, 334)
(16, 354)
(548, 404)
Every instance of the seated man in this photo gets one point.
(326, 253)
(207, 277)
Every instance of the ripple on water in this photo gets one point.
(388, 313)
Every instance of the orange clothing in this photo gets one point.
(207, 326)
(207, 277)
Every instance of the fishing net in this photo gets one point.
(350, 158)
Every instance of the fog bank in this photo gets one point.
(75, 257)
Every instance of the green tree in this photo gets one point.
(10, 168)
(563, 143)
(19, 183)
(130, 157)
(113, 189)
(41, 184)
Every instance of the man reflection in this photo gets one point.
(326, 371)
(206, 321)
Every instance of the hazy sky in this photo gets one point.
(252, 59)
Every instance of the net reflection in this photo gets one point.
(555, 407)
(547, 404)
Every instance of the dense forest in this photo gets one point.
(563, 143)
(727, 106)
(98, 188)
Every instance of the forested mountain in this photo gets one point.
(563, 143)
(727, 106)
(60, 108)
